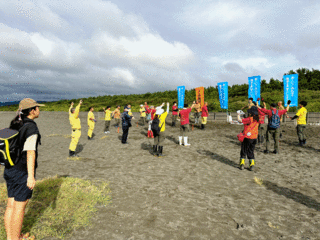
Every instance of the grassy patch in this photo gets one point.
(58, 206)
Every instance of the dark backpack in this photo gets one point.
(274, 121)
(155, 127)
(10, 149)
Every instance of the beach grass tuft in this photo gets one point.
(59, 205)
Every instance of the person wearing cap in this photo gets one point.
(251, 125)
(91, 122)
(76, 128)
(126, 124)
(152, 112)
(204, 115)
(142, 114)
(274, 131)
(20, 178)
(175, 111)
(158, 140)
(116, 115)
(184, 121)
(107, 119)
(301, 115)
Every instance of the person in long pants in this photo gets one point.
(91, 122)
(76, 128)
(158, 139)
(251, 125)
(126, 124)
(301, 115)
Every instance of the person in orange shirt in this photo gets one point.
(251, 125)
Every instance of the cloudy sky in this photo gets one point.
(51, 50)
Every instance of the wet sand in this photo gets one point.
(194, 192)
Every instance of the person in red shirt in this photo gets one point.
(152, 112)
(271, 130)
(174, 114)
(204, 115)
(251, 125)
(262, 125)
(184, 121)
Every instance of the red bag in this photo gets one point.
(241, 137)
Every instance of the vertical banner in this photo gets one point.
(254, 90)
(200, 95)
(223, 94)
(290, 87)
(181, 94)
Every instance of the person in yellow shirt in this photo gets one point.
(116, 115)
(129, 109)
(301, 116)
(142, 114)
(159, 138)
(107, 119)
(76, 128)
(91, 122)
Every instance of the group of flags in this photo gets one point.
(290, 83)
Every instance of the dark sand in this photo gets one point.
(194, 192)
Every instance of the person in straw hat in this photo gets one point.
(20, 178)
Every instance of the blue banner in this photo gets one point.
(181, 94)
(290, 85)
(254, 90)
(223, 94)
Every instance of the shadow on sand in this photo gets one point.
(219, 158)
(291, 194)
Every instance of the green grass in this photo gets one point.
(211, 96)
(59, 205)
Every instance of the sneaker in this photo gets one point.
(105, 132)
(266, 151)
(275, 152)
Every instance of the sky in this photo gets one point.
(65, 49)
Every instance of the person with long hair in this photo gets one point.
(251, 125)
(20, 178)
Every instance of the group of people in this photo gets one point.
(20, 178)
(254, 126)
(147, 115)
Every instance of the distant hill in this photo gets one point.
(272, 92)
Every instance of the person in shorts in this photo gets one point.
(20, 178)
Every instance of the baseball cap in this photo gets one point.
(29, 103)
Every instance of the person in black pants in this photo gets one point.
(251, 125)
(126, 124)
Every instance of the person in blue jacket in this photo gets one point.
(126, 124)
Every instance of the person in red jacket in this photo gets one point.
(251, 125)
(152, 112)
(184, 121)
(204, 115)
(174, 114)
(273, 131)
(262, 125)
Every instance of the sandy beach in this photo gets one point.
(194, 192)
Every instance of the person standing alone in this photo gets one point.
(20, 178)
(91, 122)
(76, 128)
